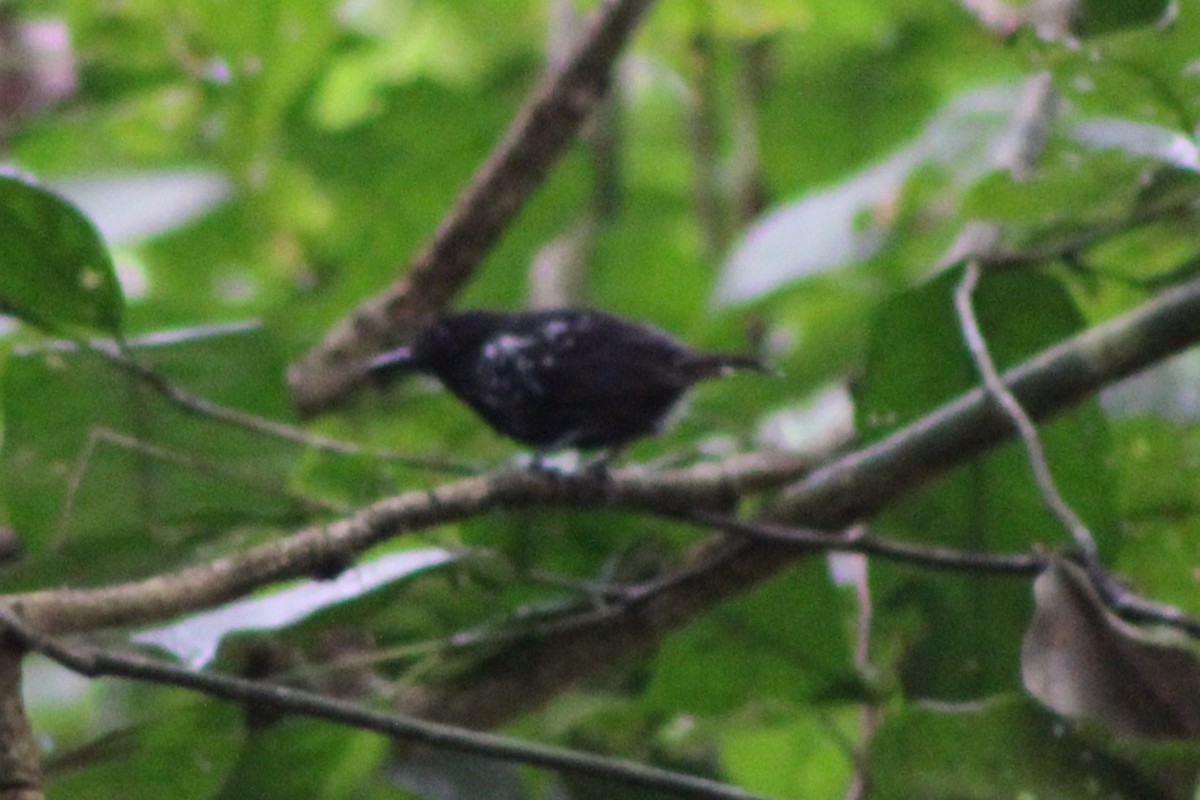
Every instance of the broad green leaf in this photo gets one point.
(1097, 187)
(1141, 74)
(804, 757)
(185, 751)
(1159, 468)
(785, 641)
(1096, 17)
(55, 271)
(92, 457)
(1008, 748)
(304, 758)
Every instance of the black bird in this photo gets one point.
(559, 378)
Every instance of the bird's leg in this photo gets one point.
(570, 464)
(597, 466)
(550, 462)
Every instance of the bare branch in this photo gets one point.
(939, 558)
(1024, 426)
(844, 491)
(848, 489)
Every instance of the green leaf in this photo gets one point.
(1099, 186)
(1098, 17)
(55, 271)
(185, 753)
(803, 757)
(304, 758)
(1159, 463)
(1009, 748)
(785, 641)
(186, 475)
(1144, 74)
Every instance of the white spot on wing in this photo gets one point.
(556, 327)
(506, 346)
(508, 361)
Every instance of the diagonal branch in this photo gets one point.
(320, 549)
(486, 206)
(858, 485)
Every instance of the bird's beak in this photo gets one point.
(396, 360)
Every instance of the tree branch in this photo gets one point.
(20, 757)
(314, 550)
(846, 490)
(854, 541)
(94, 662)
(486, 206)
(860, 484)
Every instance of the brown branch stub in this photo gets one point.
(20, 761)
(486, 206)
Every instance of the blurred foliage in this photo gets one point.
(299, 153)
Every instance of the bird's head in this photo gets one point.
(456, 336)
(452, 340)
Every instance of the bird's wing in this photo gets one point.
(509, 367)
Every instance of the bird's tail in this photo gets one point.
(391, 364)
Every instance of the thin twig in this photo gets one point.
(121, 357)
(187, 461)
(939, 558)
(94, 662)
(1127, 605)
(1026, 430)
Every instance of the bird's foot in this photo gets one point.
(564, 463)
